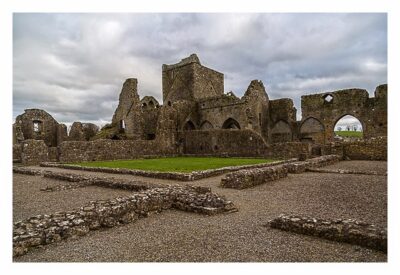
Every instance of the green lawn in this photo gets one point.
(349, 134)
(175, 164)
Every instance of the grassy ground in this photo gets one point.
(349, 134)
(175, 164)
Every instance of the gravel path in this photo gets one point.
(28, 200)
(177, 236)
(360, 165)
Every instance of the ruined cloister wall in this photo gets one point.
(223, 142)
(371, 112)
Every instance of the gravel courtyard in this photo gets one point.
(177, 236)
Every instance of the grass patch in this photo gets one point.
(175, 164)
(349, 134)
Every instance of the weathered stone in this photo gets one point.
(349, 231)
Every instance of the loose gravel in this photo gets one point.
(176, 236)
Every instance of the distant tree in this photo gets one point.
(339, 128)
(348, 128)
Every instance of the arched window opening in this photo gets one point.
(37, 126)
(189, 126)
(348, 127)
(122, 124)
(230, 123)
(206, 125)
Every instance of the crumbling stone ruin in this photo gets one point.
(198, 118)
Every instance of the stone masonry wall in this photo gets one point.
(224, 142)
(34, 152)
(349, 231)
(17, 150)
(371, 149)
(252, 177)
(49, 228)
(77, 151)
(302, 166)
(366, 149)
(289, 150)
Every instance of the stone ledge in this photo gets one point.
(45, 229)
(252, 177)
(348, 231)
(302, 166)
(344, 171)
(196, 175)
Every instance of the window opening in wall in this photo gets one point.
(122, 124)
(150, 136)
(348, 127)
(37, 126)
(144, 104)
(169, 103)
(328, 98)
(259, 118)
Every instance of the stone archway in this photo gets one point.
(312, 130)
(348, 126)
(281, 132)
(189, 126)
(230, 123)
(206, 125)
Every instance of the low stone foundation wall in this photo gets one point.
(196, 175)
(343, 171)
(302, 166)
(106, 149)
(349, 231)
(45, 229)
(252, 177)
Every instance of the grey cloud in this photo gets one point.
(73, 65)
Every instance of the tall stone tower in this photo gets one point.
(189, 80)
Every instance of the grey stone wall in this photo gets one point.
(103, 149)
(46, 128)
(34, 152)
(223, 142)
(349, 231)
(251, 177)
(371, 112)
(50, 228)
(367, 149)
(289, 150)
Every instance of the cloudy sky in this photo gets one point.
(73, 65)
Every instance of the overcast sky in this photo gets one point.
(74, 65)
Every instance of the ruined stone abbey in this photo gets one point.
(198, 118)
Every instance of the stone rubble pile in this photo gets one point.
(45, 229)
(349, 231)
(252, 177)
(302, 166)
